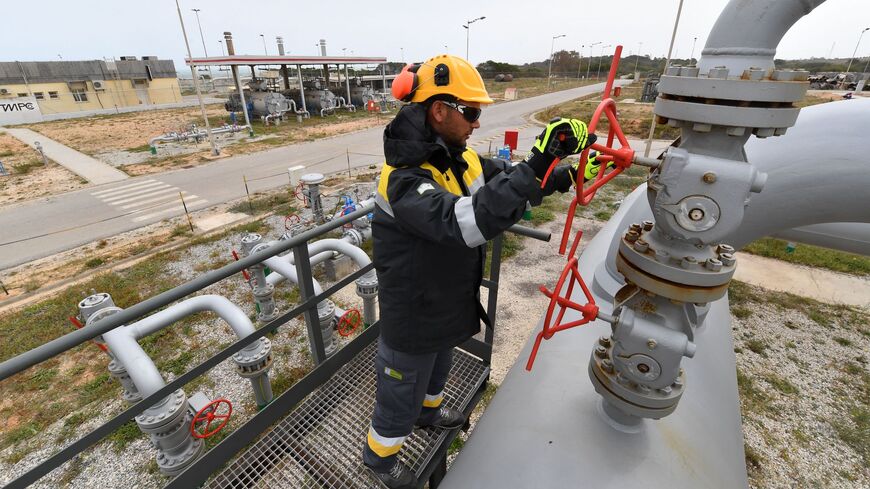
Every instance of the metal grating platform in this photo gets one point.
(318, 444)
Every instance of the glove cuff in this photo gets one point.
(540, 163)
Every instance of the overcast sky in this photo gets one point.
(513, 31)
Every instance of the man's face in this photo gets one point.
(451, 124)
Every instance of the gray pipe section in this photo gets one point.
(852, 237)
(819, 172)
(732, 44)
(41, 353)
(123, 343)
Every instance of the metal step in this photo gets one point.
(319, 443)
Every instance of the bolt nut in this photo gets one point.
(600, 351)
(604, 341)
(709, 177)
(662, 256)
(665, 391)
(632, 236)
(651, 344)
(607, 366)
(647, 225)
(700, 127)
(727, 259)
(688, 262)
(635, 227)
(642, 388)
(641, 246)
(735, 131)
(713, 264)
(724, 248)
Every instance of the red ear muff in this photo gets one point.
(405, 83)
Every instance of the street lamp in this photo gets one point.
(692, 56)
(221, 42)
(204, 50)
(639, 45)
(589, 65)
(467, 27)
(214, 148)
(403, 54)
(600, 57)
(580, 61)
(550, 71)
(265, 50)
(856, 50)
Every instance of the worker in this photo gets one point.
(437, 204)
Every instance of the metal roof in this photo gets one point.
(246, 60)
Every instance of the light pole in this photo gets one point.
(265, 50)
(204, 50)
(601, 57)
(855, 51)
(550, 71)
(652, 126)
(223, 53)
(580, 61)
(214, 148)
(403, 54)
(639, 45)
(467, 27)
(692, 56)
(589, 64)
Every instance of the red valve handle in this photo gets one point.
(297, 192)
(291, 220)
(349, 322)
(207, 415)
(589, 311)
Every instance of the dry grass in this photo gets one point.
(29, 178)
(529, 87)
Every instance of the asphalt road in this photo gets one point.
(50, 225)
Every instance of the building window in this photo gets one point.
(22, 94)
(39, 95)
(80, 95)
(52, 95)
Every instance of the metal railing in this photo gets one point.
(324, 367)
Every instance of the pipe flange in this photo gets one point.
(646, 252)
(632, 398)
(325, 312)
(173, 465)
(253, 363)
(312, 178)
(93, 303)
(367, 285)
(672, 290)
(353, 236)
(169, 411)
(249, 241)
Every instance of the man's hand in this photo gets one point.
(565, 176)
(561, 137)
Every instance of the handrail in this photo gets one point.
(58, 345)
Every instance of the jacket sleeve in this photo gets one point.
(426, 209)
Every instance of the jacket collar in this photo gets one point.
(410, 141)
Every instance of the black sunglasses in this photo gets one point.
(471, 114)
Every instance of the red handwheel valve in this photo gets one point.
(349, 322)
(218, 411)
(589, 311)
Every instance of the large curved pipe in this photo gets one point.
(123, 344)
(325, 248)
(731, 44)
(819, 172)
(852, 237)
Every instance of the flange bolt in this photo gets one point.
(713, 264)
(724, 248)
(727, 259)
(709, 177)
(647, 225)
(600, 351)
(641, 246)
(635, 227)
(604, 341)
(688, 262)
(607, 366)
(632, 236)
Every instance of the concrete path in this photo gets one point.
(815, 283)
(91, 169)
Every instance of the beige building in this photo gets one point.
(60, 87)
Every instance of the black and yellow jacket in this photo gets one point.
(436, 208)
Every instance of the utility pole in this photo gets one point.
(204, 50)
(467, 27)
(652, 126)
(589, 65)
(550, 71)
(265, 49)
(214, 149)
(580, 61)
(692, 56)
(601, 57)
(856, 50)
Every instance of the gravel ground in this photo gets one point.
(801, 369)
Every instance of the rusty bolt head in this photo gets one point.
(688, 262)
(607, 366)
(651, 344)
(724, 248)
(632, 236)
(635, 227)
(600, 351)
(604, 341)
(641, 246)
(709, 177)
(727, 259)
(713, 265)
(647, 225)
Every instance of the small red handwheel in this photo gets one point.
(218, 411)
(298, 192)
(622, 156)
(349, 322)
(291, 220)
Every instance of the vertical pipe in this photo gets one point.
(347, 83)
(384, 81)
(231, 51)
(301, 88)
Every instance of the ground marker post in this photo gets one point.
(250, 204)
(347, 154)
(186, 213)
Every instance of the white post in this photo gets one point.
(214, 149)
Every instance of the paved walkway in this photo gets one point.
(91, 169)
(815, 283)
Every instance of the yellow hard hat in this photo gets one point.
(441, 75)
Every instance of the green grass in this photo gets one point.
(142, 148)
(754, 462)
(280, 202)
(94, 262)
(741, 294)
(843, 341)
(757, 346)
(128, 432)
(753, 399)
(813, 256)
(741, 312)
(178, 364)
(781, 384)
(25, 168)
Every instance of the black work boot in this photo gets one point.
(398, 477)
(445, 418)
